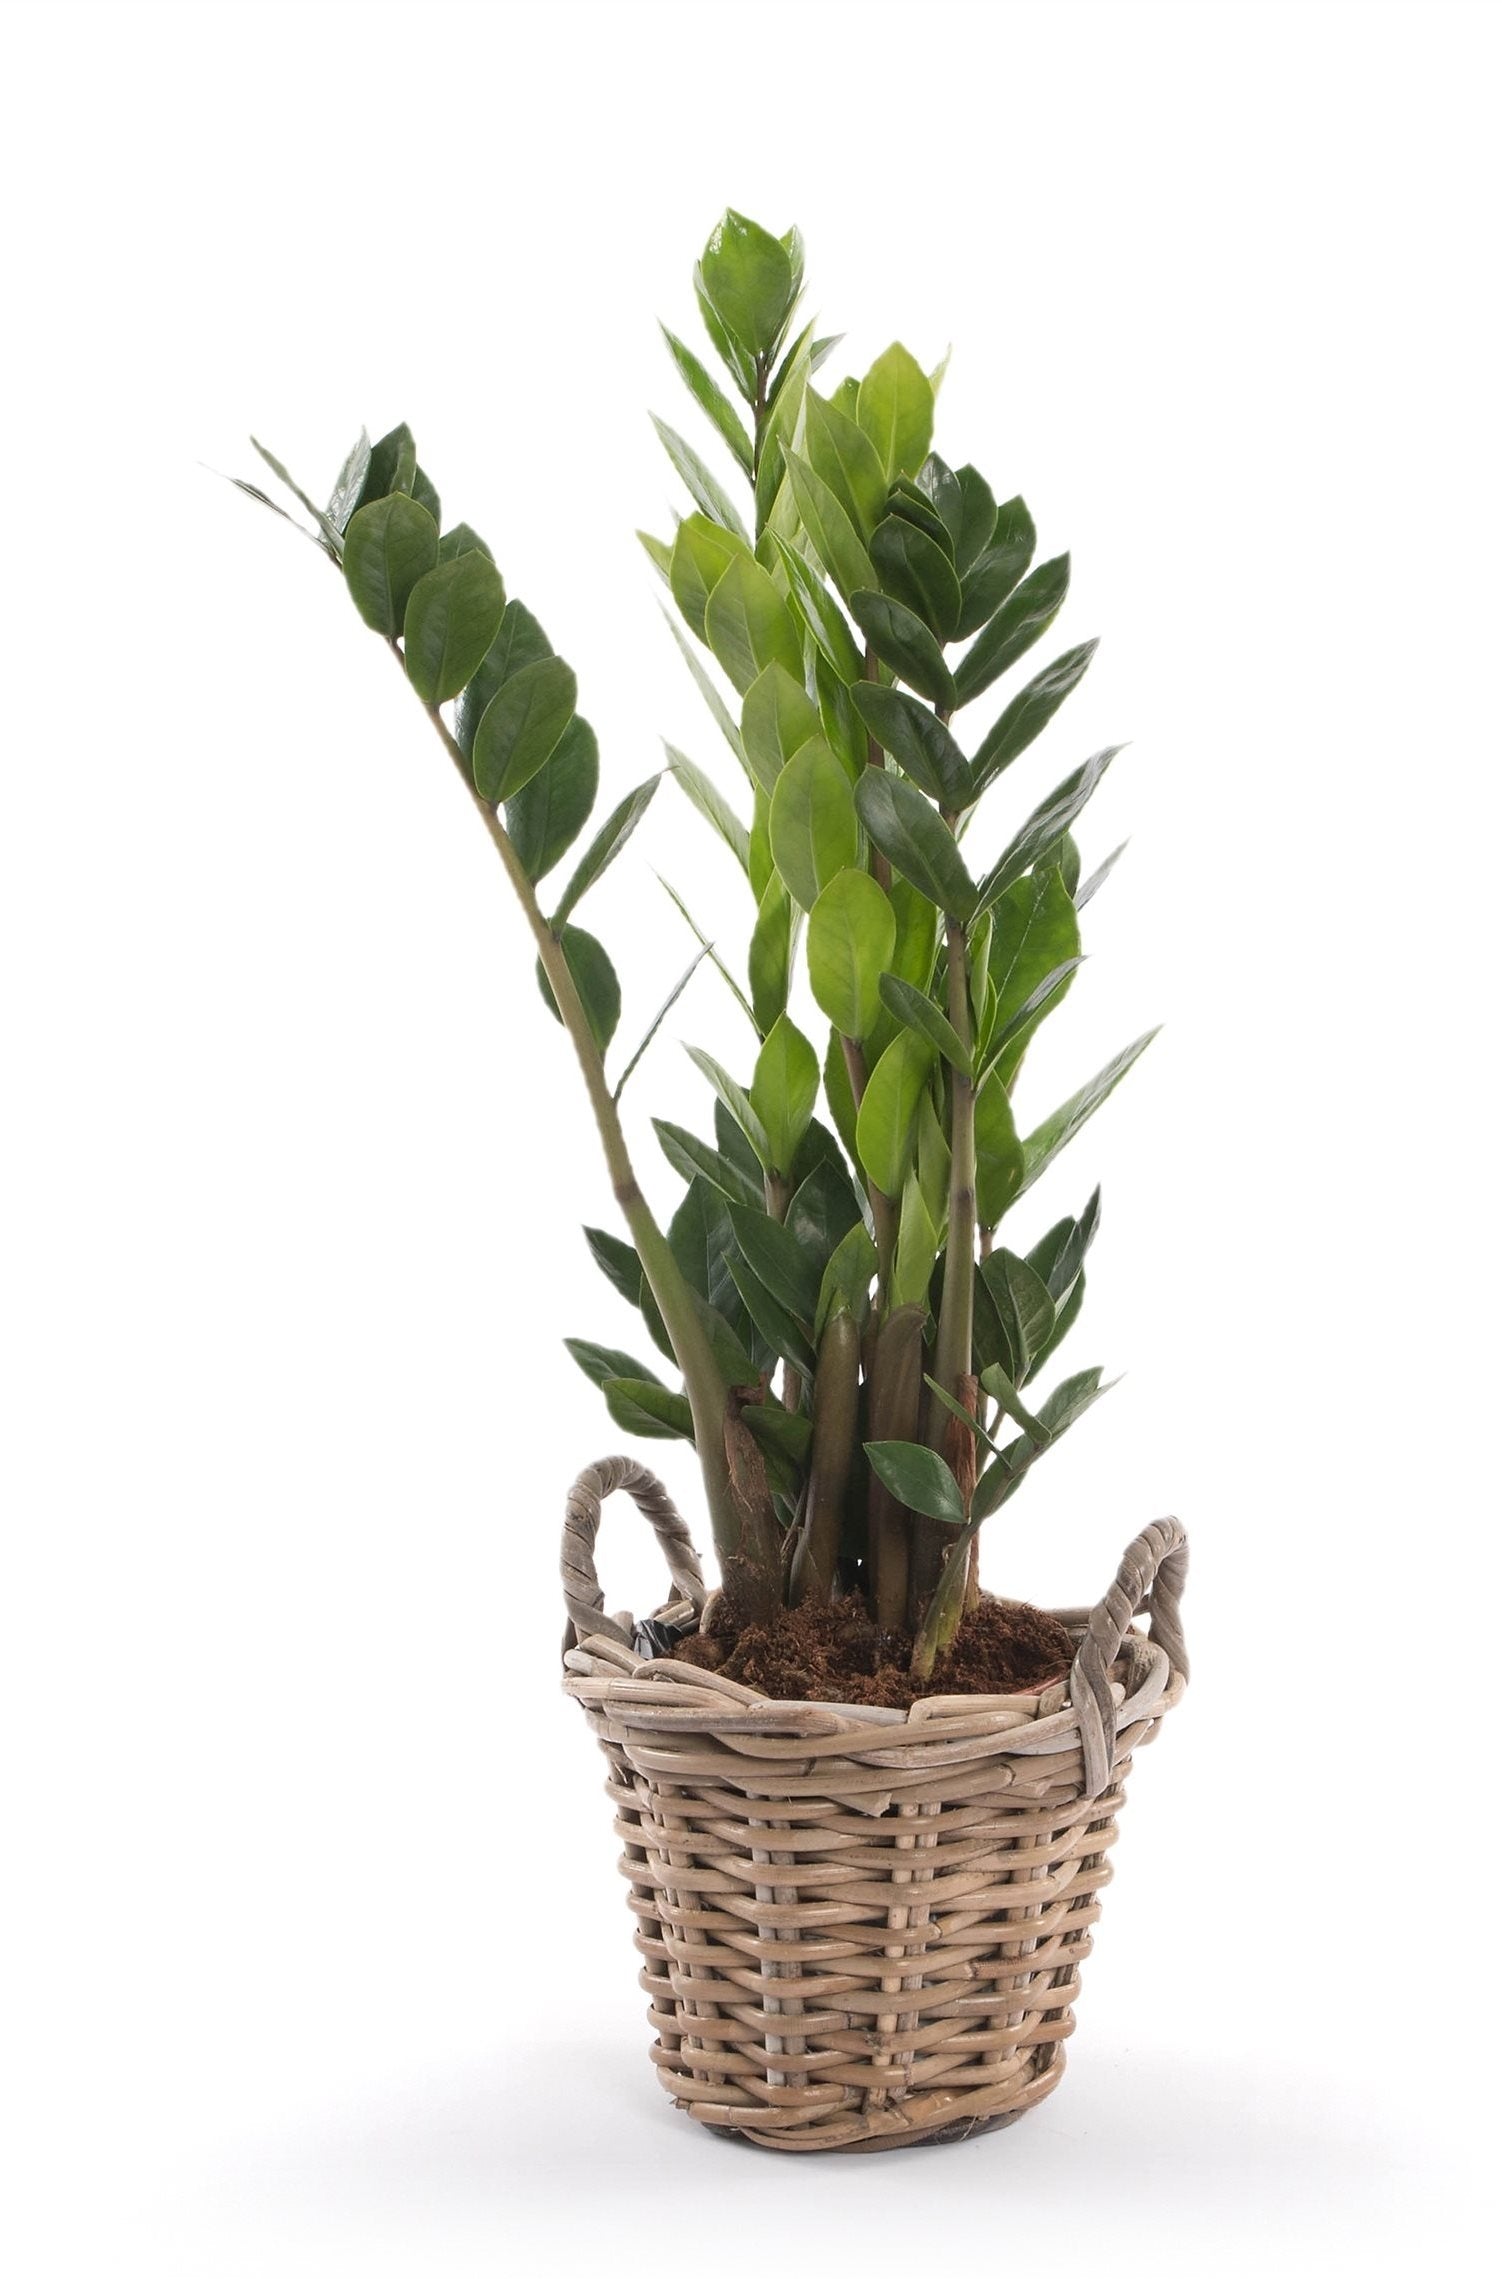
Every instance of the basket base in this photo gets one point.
(888, 2139)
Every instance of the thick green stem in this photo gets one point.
(836, 1418)
(745, 1536)
(883, 1213)
(896, 1404)
(955, 1336)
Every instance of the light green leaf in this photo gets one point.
(748, 277)
(848, 1277)
(843, 456)
(711, 803)
(709, 692)
(388, 546)
(770, 960)
(702, 552)
(776, 718)
(998, 1154)
(917, 1248)
(829, 526)
(812, 602)
(886, 1125)
(852, 933)
(521, 727)
(814, 831)
(707, 492)
(452, 617)
(895, 408)
(783, 1091)
(747, 625)
(606, 845)
(711, 398)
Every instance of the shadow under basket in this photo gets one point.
(862, 1928)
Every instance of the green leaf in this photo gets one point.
(452, 617)
(606, 845)
(1046, 824)
(648, 1409)
(425, 491)
(1046, 1142)
(829, 526)
(886, 1124)
(461, 540)
(702, 1240)
(999, 1161)
(521, 727)
(1098, 877)
(747, 625)
(388, 546)
(737, 1103)
(999, 1385)
(844, 729)
(693, 1158)
(721, 968)
(781, 1436)
(1035, 937)
(1029, 713)
(1010, 1041)
(848, 1277)
(711, 399)
(1065, 1405)
(708, 494)
(977, 520)
(1004, 560)
(741, 367)
(917, 1248)
(702, 552)
(770, 961)
(709, 692)
(520, 641)
(911, 504)
(852, 933)
(783, 1091)
(1023, 1304)
(594, 978)
(905, 645)
(618, 1263)
(1064, 1321)
(941, 487)
(813, 823)
(919, 1013)
(748, 277)
(920, 1480)
(896, 410)
(786, 1337)
(1059, 1257)
(911, 568)
(813, 603)
(345, 496)
(390, 466)
(915, 841)
(839, 1094)
(779, 1261)
(825, 1205)
(711, 803)
(1016, 626)
(546, 816)
(601, 1361)
(777, 717)
(656, 1022)
(843, 456)
(918, 741)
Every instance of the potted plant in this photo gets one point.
(866, 1805)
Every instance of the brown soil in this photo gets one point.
(836, 1653)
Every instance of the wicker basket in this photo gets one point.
(863, 1927)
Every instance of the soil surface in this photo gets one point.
(836, 1653)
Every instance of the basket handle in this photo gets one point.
(582, 1594)
(1150, 1579)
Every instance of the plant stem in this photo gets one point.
(881, 869)
(955, 1336)
(745, 1540)
(836, 1409)
(896, 1399)
(883, 1213)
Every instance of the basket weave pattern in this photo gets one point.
(863, 1927)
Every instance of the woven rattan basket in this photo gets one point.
(863, 1927)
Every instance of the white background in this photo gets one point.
(318, 1958)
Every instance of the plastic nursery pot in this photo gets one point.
(863, 1928)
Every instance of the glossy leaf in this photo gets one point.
(1065, 1405)
(390, 466)
(829, 526)
(388, 547)
(914, 839)
(776, 1257)
(740, 365)
(844, 729)
(737, 1103)
(748, 277)
(848, 1277)
(1020, 621)
(919, 1013)
(816, 607)
(1029, 713)
(693, 1158)
(912, 569)
(905, 645)
(782, 1332)
(520, 641)
(702, 1240)
(896, 410)
(917, 1248)
(776, 718)
(594, 977)
(843, 456)
(941, 486)
(522, 726)
(825, 1205)
(1008, 1398)
(707, 688)
(453, 616)
(1059, 1129)
(711, 399)
(601, 1361)
(977, 518)
(814, 831)
(711, 803)
(769, 962)
(852, 933)
(648, 1409)
(618, 1263)
(702, 552)
(606, 845)
(1036, 934)
(998, 568)
(346, 494)
(747, 625)
(1097, 879)
(783, 1091)
(1059, 1257)
(840, 1094)
(1006, 1048)
(1023, 1303)
(1046, 825)
(886, 1124)
(545, 817)
(999, 1158)
(704, 488)
(920, 1480)
(918, 741)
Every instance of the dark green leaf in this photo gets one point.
(711, 398)
(977, 520)
(941, 486)
(695, 1158)
(453, 615)
(606, 845)
(1064, 1406)
(1060, 1255)
(520, 641)
(903, 643)
(388, 546)
(825, 1206)
(998, 1154)
(1010, 1041)
(1045, 1143)
(1045, 825)
(998, 568)
(918, 741)
(915, 841)
(783, 1438)
(779, 1261)
(702, 1241)
(618, 1263)
(425, 491)
(1029, 713)
(786, 1337)
(521, 727)
(914, 570)
(595, 980)
(844, 729)
(1036, 937)
(462, 540)
(839, 1094)
(1016, 626)
(769, 963)
(601, 1361)
(647, 1409)
(547, 815)
(920, 1480)
(1024, 1306)
(848, 1277)
(917, 1012)
(390, 466)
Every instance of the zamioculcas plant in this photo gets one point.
(858, 1344)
